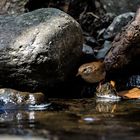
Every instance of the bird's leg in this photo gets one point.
(100, 84)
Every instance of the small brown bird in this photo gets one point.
(92, 72)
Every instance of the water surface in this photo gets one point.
(74, 119)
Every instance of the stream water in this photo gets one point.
(73, 119)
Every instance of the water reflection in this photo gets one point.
(75, 119)
(25, 124)
(106, 105)
(8, 137)
(14, 115)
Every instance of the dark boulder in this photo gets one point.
(118, 23)
(121, 6)
(39, 49)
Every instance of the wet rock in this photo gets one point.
(87, 49)
(89, 45)
(107, 91)
(121, 6)
(102, 52)
(108, 34)
(39, 49)
(91, 41)
(133, 81)
(12, 98)
(117, 24)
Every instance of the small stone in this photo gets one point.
(107, 91)
(17, 98)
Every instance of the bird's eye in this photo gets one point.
(84, 70)
(87, 70)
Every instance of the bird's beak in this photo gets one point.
(77, 74)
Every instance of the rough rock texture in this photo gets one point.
(121, 6)
(14, 97)
(38, 49)
(125, 45)
(115, 27)
(117, 24)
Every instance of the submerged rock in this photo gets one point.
(39, 49)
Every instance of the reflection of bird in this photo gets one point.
(92, 72)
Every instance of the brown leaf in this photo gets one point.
(113, 83)
(130, 94)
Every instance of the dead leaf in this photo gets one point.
(113, 83)
(130, 94)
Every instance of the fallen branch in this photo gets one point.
(125, 45)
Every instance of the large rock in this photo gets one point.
(121, 6)
(38, 49)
